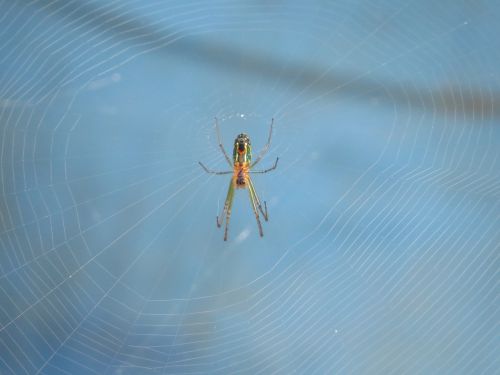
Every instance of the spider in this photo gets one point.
(242, 167)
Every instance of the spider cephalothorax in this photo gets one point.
(242, 152)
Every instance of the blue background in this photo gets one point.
(381, 255)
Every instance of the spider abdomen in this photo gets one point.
(240, 176)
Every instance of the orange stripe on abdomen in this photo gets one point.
(240, 175)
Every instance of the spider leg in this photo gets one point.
(219, 139)
(253, 200)
(251, 187)
(213, 172)
(227, 208)
(266, 146)
(268, 169)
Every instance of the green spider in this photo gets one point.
(242, 167)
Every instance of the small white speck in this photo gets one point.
(243, 235)
(242, 115)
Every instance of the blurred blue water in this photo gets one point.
(381, 252)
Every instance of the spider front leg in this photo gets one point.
(266, 146)
(219, 139)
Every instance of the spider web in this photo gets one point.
(381, 252)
